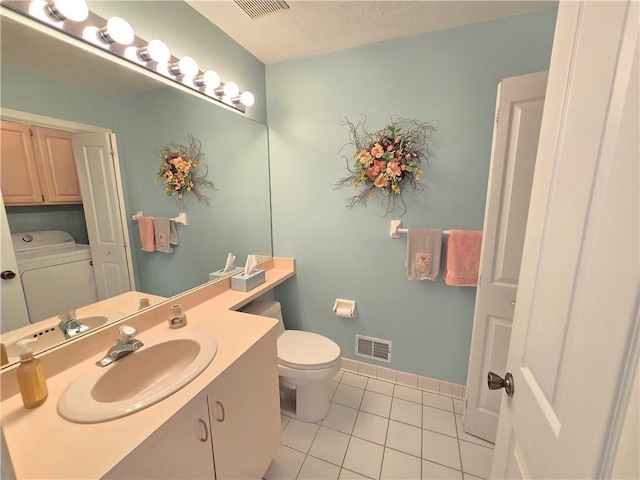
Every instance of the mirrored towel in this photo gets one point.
(424, 246)
(162, 226)
(173, 234)
(147, 238)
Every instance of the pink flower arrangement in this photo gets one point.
(388, 160)
(177, 170)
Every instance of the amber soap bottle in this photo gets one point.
(31, 379)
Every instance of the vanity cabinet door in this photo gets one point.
(244, 405)
(179, 449)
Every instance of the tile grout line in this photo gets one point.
(384, 446)
(307, 453)
(459, 449)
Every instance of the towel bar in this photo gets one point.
(181, 218)
(395, 230)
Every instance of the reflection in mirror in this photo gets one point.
(49, 81)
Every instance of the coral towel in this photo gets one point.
(463, 258)
(424, 246)
(147, 234)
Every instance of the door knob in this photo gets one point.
(7, 275)
(496, 382)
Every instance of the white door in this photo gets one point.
(513, 158)
(95, 156)
(14, 307)
(574, 347)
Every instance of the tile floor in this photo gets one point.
(380, 430)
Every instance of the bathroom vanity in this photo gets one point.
(225, 423)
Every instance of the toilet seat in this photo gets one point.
(306, 350)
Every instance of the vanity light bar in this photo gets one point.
(118, 38)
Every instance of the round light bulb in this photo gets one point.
(155, 50)
(40, 9)
(74, 10)
(188, 67)
(211, 79)
(92, 35)
(131, 53)
(118, 30)
(247, 98)
(231, 89)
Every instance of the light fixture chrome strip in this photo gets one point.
(116, 37)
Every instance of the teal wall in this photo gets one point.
(237, 218)
(450, 76)
(69, 218)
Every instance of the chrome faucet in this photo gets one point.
(70, 325)
(126, 345)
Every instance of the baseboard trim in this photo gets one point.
(426, 384)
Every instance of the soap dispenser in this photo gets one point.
(33, 385)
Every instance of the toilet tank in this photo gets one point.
(267, 308)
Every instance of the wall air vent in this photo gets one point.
(260, 8)
(373, 348)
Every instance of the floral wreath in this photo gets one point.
(177, 170)
(387, 160)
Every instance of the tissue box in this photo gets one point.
(244, 283)
(220, 274)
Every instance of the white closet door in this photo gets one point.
(96, 156)
(515, 145)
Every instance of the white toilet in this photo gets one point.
(306, 362)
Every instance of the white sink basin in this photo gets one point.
(158, 369)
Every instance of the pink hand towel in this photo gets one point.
(147, 234)
(463, 258)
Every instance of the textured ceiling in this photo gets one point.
(315, 27)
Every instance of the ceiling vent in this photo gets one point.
(260, 8)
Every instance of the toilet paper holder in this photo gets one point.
(344, 308)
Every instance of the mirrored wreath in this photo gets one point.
(177, 172)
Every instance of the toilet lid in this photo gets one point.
(306, 350)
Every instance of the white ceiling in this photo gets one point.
(315, 27)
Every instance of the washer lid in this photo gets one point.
(36, 240)
(61, 253)
(306, 350)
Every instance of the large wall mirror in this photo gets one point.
(51, 77)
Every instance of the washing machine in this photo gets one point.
(56, 273)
